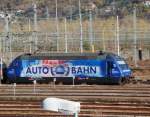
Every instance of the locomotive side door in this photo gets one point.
(112, 69)
(109, 68)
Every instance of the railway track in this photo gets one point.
(91, 109)
(96, 101)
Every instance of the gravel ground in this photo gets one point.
(143, 68)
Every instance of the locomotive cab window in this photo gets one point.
(114, 65)
(122, 65)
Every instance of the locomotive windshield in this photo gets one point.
(122, 65)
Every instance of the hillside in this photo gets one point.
(101, 8)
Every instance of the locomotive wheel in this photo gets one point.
(8, 81)
(121, 81)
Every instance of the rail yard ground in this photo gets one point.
(129, 100)
(96, 100)
(142, 71)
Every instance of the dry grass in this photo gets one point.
(74, 26)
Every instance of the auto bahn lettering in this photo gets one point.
(61, 70)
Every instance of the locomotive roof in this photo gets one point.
(64, 56)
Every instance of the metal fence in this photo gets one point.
(19, 35)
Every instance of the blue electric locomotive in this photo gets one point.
(101, 68)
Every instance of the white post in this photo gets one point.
(24, 46)
(6, 32)
(104, 47)
(57, 27)
(47, 13)
(35, 17)
(73, 78)
(34, 88)
(29, 24)
(8, 39)
(71, 10)
(71, 19)
(91, 28)
(81, 30)
(46, 35)
(75, 114)
(35, 26)
(30, 47)
(6, 23)
(135, 37)
(14, 87)
(1, 46)
(118, 43)
(10, 46)
(66, 38)
(1, 70)
(54, 80)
